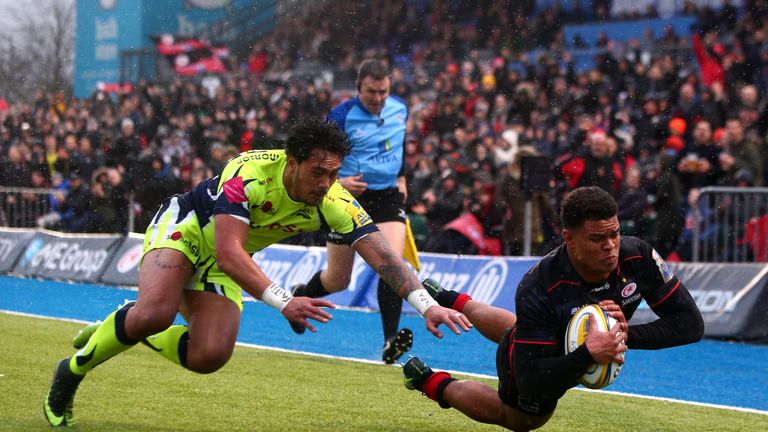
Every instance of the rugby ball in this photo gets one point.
(598, 375)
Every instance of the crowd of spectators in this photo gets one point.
(487, 83)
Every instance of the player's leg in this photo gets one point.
(489, 320)
(396, 341)
(214, 321)
(163, 275)
(334, 277)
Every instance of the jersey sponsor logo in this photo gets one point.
(257, 155)
(666, 272)
(305, 213)
(234, 190)
(130, 259)
(628, 290)
(191, 247)
(359, 216)
(290, 228)
(400, 119)
(267, 208)
(602, 287)
(385, 158)
(631, 299)
(266, 181)
(385, 146)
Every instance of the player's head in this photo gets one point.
(315, 150)
(591, 232)
(373, 85)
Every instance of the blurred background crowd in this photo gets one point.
(652, 119)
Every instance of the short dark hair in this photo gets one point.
(372, 68)
(586, 203)
(310, 133)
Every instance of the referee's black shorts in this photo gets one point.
(385, 205)
(505, 369)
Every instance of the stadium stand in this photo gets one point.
(605, 99)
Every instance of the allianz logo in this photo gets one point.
(287, 273)
(483, 285)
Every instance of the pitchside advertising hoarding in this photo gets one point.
(60, 256)
(733, 298)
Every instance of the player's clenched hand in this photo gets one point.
(301, 309)
(606, 347)
(436, 315)
(615, 312)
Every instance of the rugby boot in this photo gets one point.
(416, 373)
(57, 407)
(396, 346)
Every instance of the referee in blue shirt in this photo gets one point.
(373, 173)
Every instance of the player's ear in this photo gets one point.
(567, 236)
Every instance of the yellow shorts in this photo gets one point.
(175, 226)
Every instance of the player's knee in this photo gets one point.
(208, 359)
(146, 321)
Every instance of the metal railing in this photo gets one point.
(730, 225)
(33, 208)
(23, 207)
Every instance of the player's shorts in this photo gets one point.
(175, 226)
(508, 393)
(385, 205)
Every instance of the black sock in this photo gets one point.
(183, 348)
(390, 305)
(447, 298)
(314, 288)
(120, 333)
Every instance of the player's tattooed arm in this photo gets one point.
(377, 252)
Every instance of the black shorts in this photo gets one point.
(508, 393)
(385, 205)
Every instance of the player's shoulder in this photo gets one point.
(546, 273)
(633, 248)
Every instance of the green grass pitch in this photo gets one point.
(261, 390)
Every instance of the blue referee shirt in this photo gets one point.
(377, 141)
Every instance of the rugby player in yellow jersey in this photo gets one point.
(197, 257)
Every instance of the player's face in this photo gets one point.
(594, 248)
(311, 179)
(373, 93)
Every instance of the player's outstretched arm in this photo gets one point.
(231, 234)
(389, 265)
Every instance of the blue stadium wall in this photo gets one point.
(105, 28)
(733, 298)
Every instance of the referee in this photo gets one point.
(373, 173)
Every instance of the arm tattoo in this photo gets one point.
(392, 271)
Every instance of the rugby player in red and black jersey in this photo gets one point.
(593, 265)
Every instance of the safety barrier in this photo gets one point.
(730, 225)
(23, 207)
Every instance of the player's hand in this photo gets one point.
(436, 315)
(615, 312)
(301, 309)
(354, 184)
(606, 347)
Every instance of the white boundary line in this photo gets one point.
(475, 375)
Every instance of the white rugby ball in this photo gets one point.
(598, 375)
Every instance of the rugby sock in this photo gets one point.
(171, 343)
(452, 299)
(435, 385)
(108, 341)
(314, 288)
(390, 305)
